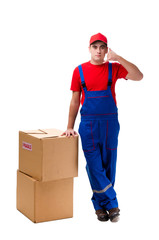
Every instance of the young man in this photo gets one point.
(99, 126)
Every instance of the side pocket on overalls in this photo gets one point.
(113, 128)
(86, 134)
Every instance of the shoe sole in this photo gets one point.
(103, 219)
(115, 218)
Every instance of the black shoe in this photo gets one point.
(102, 215)
(114, 214)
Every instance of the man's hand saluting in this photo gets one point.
(112, 56)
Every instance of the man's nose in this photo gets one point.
(98, 50)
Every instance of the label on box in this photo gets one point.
(27, 146)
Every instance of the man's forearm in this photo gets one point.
(133, 71)
(72, 115)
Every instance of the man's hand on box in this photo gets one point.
(70, 132)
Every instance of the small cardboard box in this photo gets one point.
(44, 201)
(46, 156)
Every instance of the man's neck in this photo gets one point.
(96, 63)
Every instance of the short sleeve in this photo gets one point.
(75, 84)
(120, 71)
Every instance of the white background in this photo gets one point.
(41, 42)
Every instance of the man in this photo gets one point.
(99, 126)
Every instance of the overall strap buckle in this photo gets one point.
(83, 85)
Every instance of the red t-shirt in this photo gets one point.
(96, 77)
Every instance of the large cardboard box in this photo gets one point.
(46, 156)
(44, 201)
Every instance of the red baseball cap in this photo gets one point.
(97, 37)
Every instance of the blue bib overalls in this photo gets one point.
(99, 129)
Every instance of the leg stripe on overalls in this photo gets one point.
(104, 190)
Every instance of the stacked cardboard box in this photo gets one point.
(48, 163)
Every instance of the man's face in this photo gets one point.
(98, 51)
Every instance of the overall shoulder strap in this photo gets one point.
(82, 77)
(109, 74)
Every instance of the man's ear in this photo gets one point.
(89, 48)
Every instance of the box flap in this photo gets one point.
(33, 131)
(44, 133)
